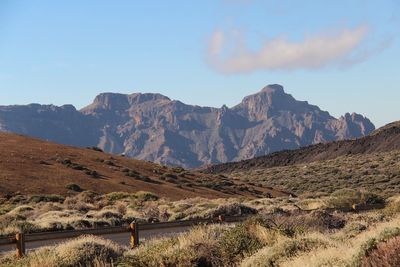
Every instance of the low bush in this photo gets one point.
(238, 242)
(46, 198)
(393, 207)
(386, 254)
(353, 229)
(92, 173)
(234, 209)
(83, 251)
(346, 198)
(195, 248)
(95, 148)
(272, 256)
(146, 196)
(170, 175)
(114, 196)
(372, 243)
(73, 187)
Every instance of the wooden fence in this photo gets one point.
(134, 229)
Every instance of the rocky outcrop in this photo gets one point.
(156, 128)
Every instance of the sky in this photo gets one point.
(343, 56)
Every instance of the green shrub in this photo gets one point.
(95, 148)
(236, 243)
(354, 228)
(146, 196)
(46, 198)
(170, 175)
(271, 256)
(346, 198)
(178, 169)
(109, 162)
(234, 209)
(73, 187)
(114, 196)
(92, 173)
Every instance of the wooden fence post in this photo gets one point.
(20, 241)
(134, 227)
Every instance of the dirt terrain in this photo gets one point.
(31, 166)
(384, 139)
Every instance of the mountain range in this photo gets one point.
(155, 128)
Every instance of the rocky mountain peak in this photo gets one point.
(109, 101)
(350, 124)
(140, 98)
(271, 101)
(273, 88)
(118, 102)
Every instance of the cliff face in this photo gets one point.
(153, 127)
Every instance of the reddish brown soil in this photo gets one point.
(31, 166)
(384, 139)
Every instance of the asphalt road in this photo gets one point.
(122, 238)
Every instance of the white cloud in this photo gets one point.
(216, 44)
(229, 54)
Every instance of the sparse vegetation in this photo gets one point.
(377, 173)
(88, 209)
(260, 241)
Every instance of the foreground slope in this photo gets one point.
(155, 128)
(384, 139)
(31, 166)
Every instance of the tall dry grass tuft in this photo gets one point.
(195, 248)
(86, 249)
(83, 251)
(348, 252)
(284, 249)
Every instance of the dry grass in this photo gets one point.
(282, 238)
(83, 251)
(196, 248)
(88, 209)
(284, 249)
(349, 251)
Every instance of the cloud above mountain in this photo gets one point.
(229, 52)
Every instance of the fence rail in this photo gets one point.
(20, 239)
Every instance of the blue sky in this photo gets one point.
(343, 56)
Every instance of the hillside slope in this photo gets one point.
(374, 172)
(155, 128)
(383, 139)
(32, 166)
